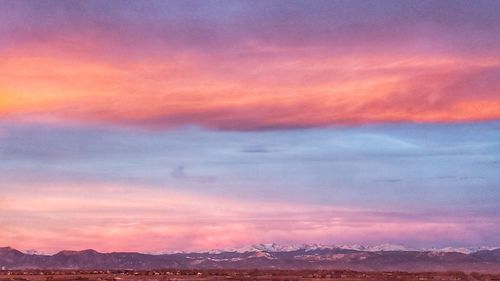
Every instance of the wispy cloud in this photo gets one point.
(83, 216)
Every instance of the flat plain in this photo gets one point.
(215, 274)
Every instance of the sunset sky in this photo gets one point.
(190, 125)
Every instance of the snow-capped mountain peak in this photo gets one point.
(463, 250)
(385, 247)
(33, 252)
(271, 248)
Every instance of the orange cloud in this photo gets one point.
(249, 93)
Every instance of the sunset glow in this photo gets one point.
(189, 125)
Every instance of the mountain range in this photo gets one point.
(273, 247)
(386, 257)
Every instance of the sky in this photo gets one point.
(157, 126)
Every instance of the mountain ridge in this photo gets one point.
(272, 257)
(273, 247)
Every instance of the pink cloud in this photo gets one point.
(287, 91)
(126, 218)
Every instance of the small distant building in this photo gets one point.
(3, 268)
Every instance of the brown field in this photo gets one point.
(209, 275)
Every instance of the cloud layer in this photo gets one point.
(111, 218)
(194, 189)
(250, 66)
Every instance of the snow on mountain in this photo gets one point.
(273, 247)
(386, 247)
(270, 248)
(355, 247)
(463, 250)
(33, 252)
